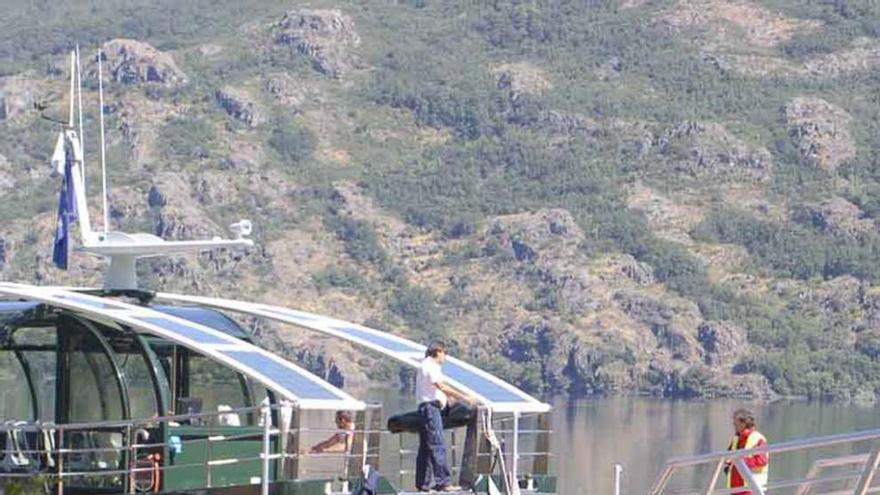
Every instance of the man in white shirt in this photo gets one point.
(432, 394)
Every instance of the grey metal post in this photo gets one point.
(868, 472)
(267, 426)
(130, 460)
(60, 463)
(618, 470)
(662, 480)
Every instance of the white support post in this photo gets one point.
(757, 488)
(267, 427)
(514, 455)
(618, 471)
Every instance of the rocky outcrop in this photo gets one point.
(175, 215)
(820, 132)
(327, 37)
(571, 124)
(735, 22)
(637, 271)
(129, 61)
(660, 319)
(724, 343)
(862, 55)
(711, 150)
(19, 93)
(240, 106)
(521, 78)
(836, 216)
(7, 177)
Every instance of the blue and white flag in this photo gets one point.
(67, 214)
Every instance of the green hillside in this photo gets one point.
(674, 197)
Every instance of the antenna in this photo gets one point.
(79, 88)
(103, 162)
(72, 86)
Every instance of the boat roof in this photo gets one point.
(207, 317)
(286, 379)
(494, 392)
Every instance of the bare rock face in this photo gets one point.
(820, 132)
(7, 177)
(660, 318)
(532, 232)
(18, 94)
(637, 271)
(135, 62)
(240, 106)
(711, 150)
(838, 216)
(522, 78)
(327, 37)
(175, 215)
(862, 55)
(725, 344)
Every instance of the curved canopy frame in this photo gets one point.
(493, 392)
(291, 382)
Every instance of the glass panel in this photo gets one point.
(41, 365)
(215, 387)
(141, 392)
(15, 395)
(93, 387)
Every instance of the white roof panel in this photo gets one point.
(494, 392)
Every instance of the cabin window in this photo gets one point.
(92, 388)
(133, 365)
(15, 395)
(215, 386)
(38, 347)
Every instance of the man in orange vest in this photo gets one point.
(747, 437)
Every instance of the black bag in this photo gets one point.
(455, 416)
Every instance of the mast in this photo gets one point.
(72, 87)
(82, 146)
(103, 162)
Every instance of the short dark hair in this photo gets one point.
(746, 416)
(435, 348)
(343, 416)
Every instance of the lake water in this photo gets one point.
(591, 435)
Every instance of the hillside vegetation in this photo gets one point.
(674, 197)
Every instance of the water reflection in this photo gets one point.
(641, 433)
(591, 435)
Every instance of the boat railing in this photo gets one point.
(51, 459)
(851, 474)
(127, 456)
(531, 447)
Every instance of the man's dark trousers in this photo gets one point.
(432, 448)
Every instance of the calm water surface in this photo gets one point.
(591, 435)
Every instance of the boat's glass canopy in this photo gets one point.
(495, 393)
(284, 378)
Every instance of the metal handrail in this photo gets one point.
(718, 458)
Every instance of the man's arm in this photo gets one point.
(332, 444)
(455, 394)
(757, 460)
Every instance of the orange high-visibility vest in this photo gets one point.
(761, 473)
